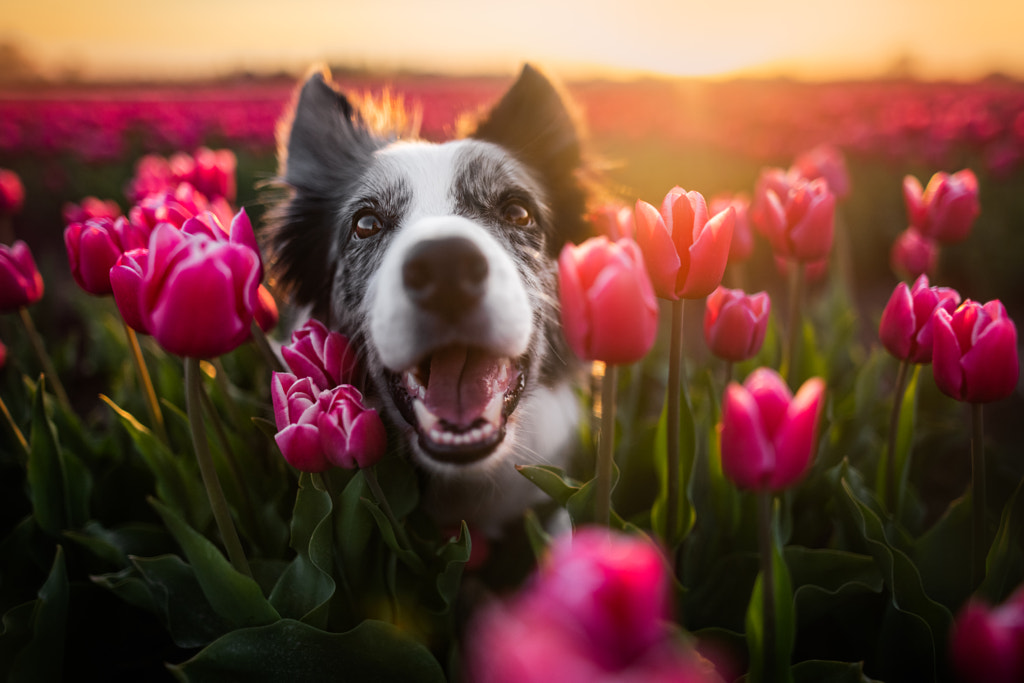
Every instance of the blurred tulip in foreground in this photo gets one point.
(769, 436)
(825, 161)
(20, 281)
(974, 355)
(12, 193)
(946, 209)
(685, 248)
(735, 323)
(609, 311)
(906, 326)
(987, 643)
(742, 244)
(91, 207)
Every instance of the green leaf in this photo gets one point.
(536, 534)
(783, 625)
(453, 557)
(831, 584)
(387, 532)
(233, 595)
(818, 671)
(904, 445)
(306, 586)
(552, 481)
(42, 658)
(1003, 567)
(354, 527)
(57, 481)
(945, 581)
(684, 512)
(288, 650)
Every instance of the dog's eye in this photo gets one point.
(518, 215)
(366, 224)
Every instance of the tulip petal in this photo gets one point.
(732, 337)
(709, 255)
(574, 313)
(613, 298)
(796, 441)
(811, 238)
(897, 327)
(660, 255)
(300, 446)
(772, 397)
(913, 199)
(747, 459)
(949, 375)
(991, 367)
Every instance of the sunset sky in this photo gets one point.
(826, 39)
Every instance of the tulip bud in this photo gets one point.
(20, 281)
(608, 307)
(987, 644)
(913, 254)
(325, 357)
(946, 210)
(735, 324)
(93, 248)
(794, 214)
(12, 193)
(769, 436)
(319, 429)
(825, 161)
(685, 250)
(742, 244)
(974, 352)
(906, 327)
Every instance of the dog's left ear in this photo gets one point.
(533, 122)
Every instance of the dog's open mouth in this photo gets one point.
(459, 399)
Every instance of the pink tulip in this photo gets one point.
(735, 323)
(974, 353)
(987, 644)
(91, 207)
(213, 173)
(946, 210)
(685, 249)
(614, 221)
(906, 327)
(325, 357)
(913, 254)
(198, 295)
(597, 610)
(742, 244)
(20, 281)
(152, 176)
(12, 193)
(125, 283)
(794, 214)
(769, 436)
(94, 246)
(318, 429)
(609, 311)
(825, 161)
(3, 355)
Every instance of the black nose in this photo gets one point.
(446, 276)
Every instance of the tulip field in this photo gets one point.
(800, 457)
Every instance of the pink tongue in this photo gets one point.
(462, 382)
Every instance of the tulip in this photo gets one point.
(93, 248)
(825, 161)
(906, 326)
(685, 249)
(152, 176)
(213, 173)
(974, 356)
(3, 355)
(12, 193)
(946, 210)
(794, 214)
(198, 295)
(91, 207)
(319, 429)
(735, 323)
(742, 244)
(987, 644)
(609, 311)
(769, 436)
(325, 357)
(20, 282)
(613, 221)
(125, 283)
(913, 254)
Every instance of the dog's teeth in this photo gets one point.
(427, 419)
(476, 434)
(413, 385)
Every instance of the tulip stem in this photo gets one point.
(764, 542)
(259, 338)
(214, 492)
(155, 414)
(676, 389)
(978, 496)
(796, 286)
(370, 475)
(728, 371)
(14, 428)
(891, 484)
(606, 448)
(44, 359)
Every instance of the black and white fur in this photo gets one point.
(435, 257)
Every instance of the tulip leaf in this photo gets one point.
(904, 444)
(536, 534)
(552, 481)
(305, 588)
(290, 650)
(684, 512)
(388, 533)
(41, 625)
(819, 671)
(947, 582)
(232, 595)
(113, 546)
(453, 557)
(580, 505)
(353, 530)
(783, 626)
(1003, 567)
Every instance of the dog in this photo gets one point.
(439, 262)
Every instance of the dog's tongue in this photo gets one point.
(463, 381)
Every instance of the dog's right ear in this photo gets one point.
(323, 148)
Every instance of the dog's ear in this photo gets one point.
(323, 149)
(533, 121)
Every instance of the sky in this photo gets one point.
(826, 39)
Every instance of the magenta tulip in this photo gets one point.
(125, 283)
(91, 207)
(735, 323)
(769, 436)
(825, 161)
(795, 215)
(325, 357)
(907, 321)
(609, 311)
(20, 281)
(152, 176)
(987, 643)
(913, 254)
(318, 429)
(213, 173)
(12, 193)
(974, 356)
(685, 249)
(198, 295)
(94, 246)
(946, 210)
(612, 220)
(742, 244)
(3, 355)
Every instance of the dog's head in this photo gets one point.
(438, 260)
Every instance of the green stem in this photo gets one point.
(891, 476)
(14, 428)
(796, 287)
(606, 448)
(259, 338)
(214, 492)
(44, 359)
(675, 373)
(370, 474)
(156, 415)
(764, 542)
(224, 386)
(979, 537)
(729, 369)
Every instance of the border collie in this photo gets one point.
(438, 260)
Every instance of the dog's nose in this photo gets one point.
(445, 276)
